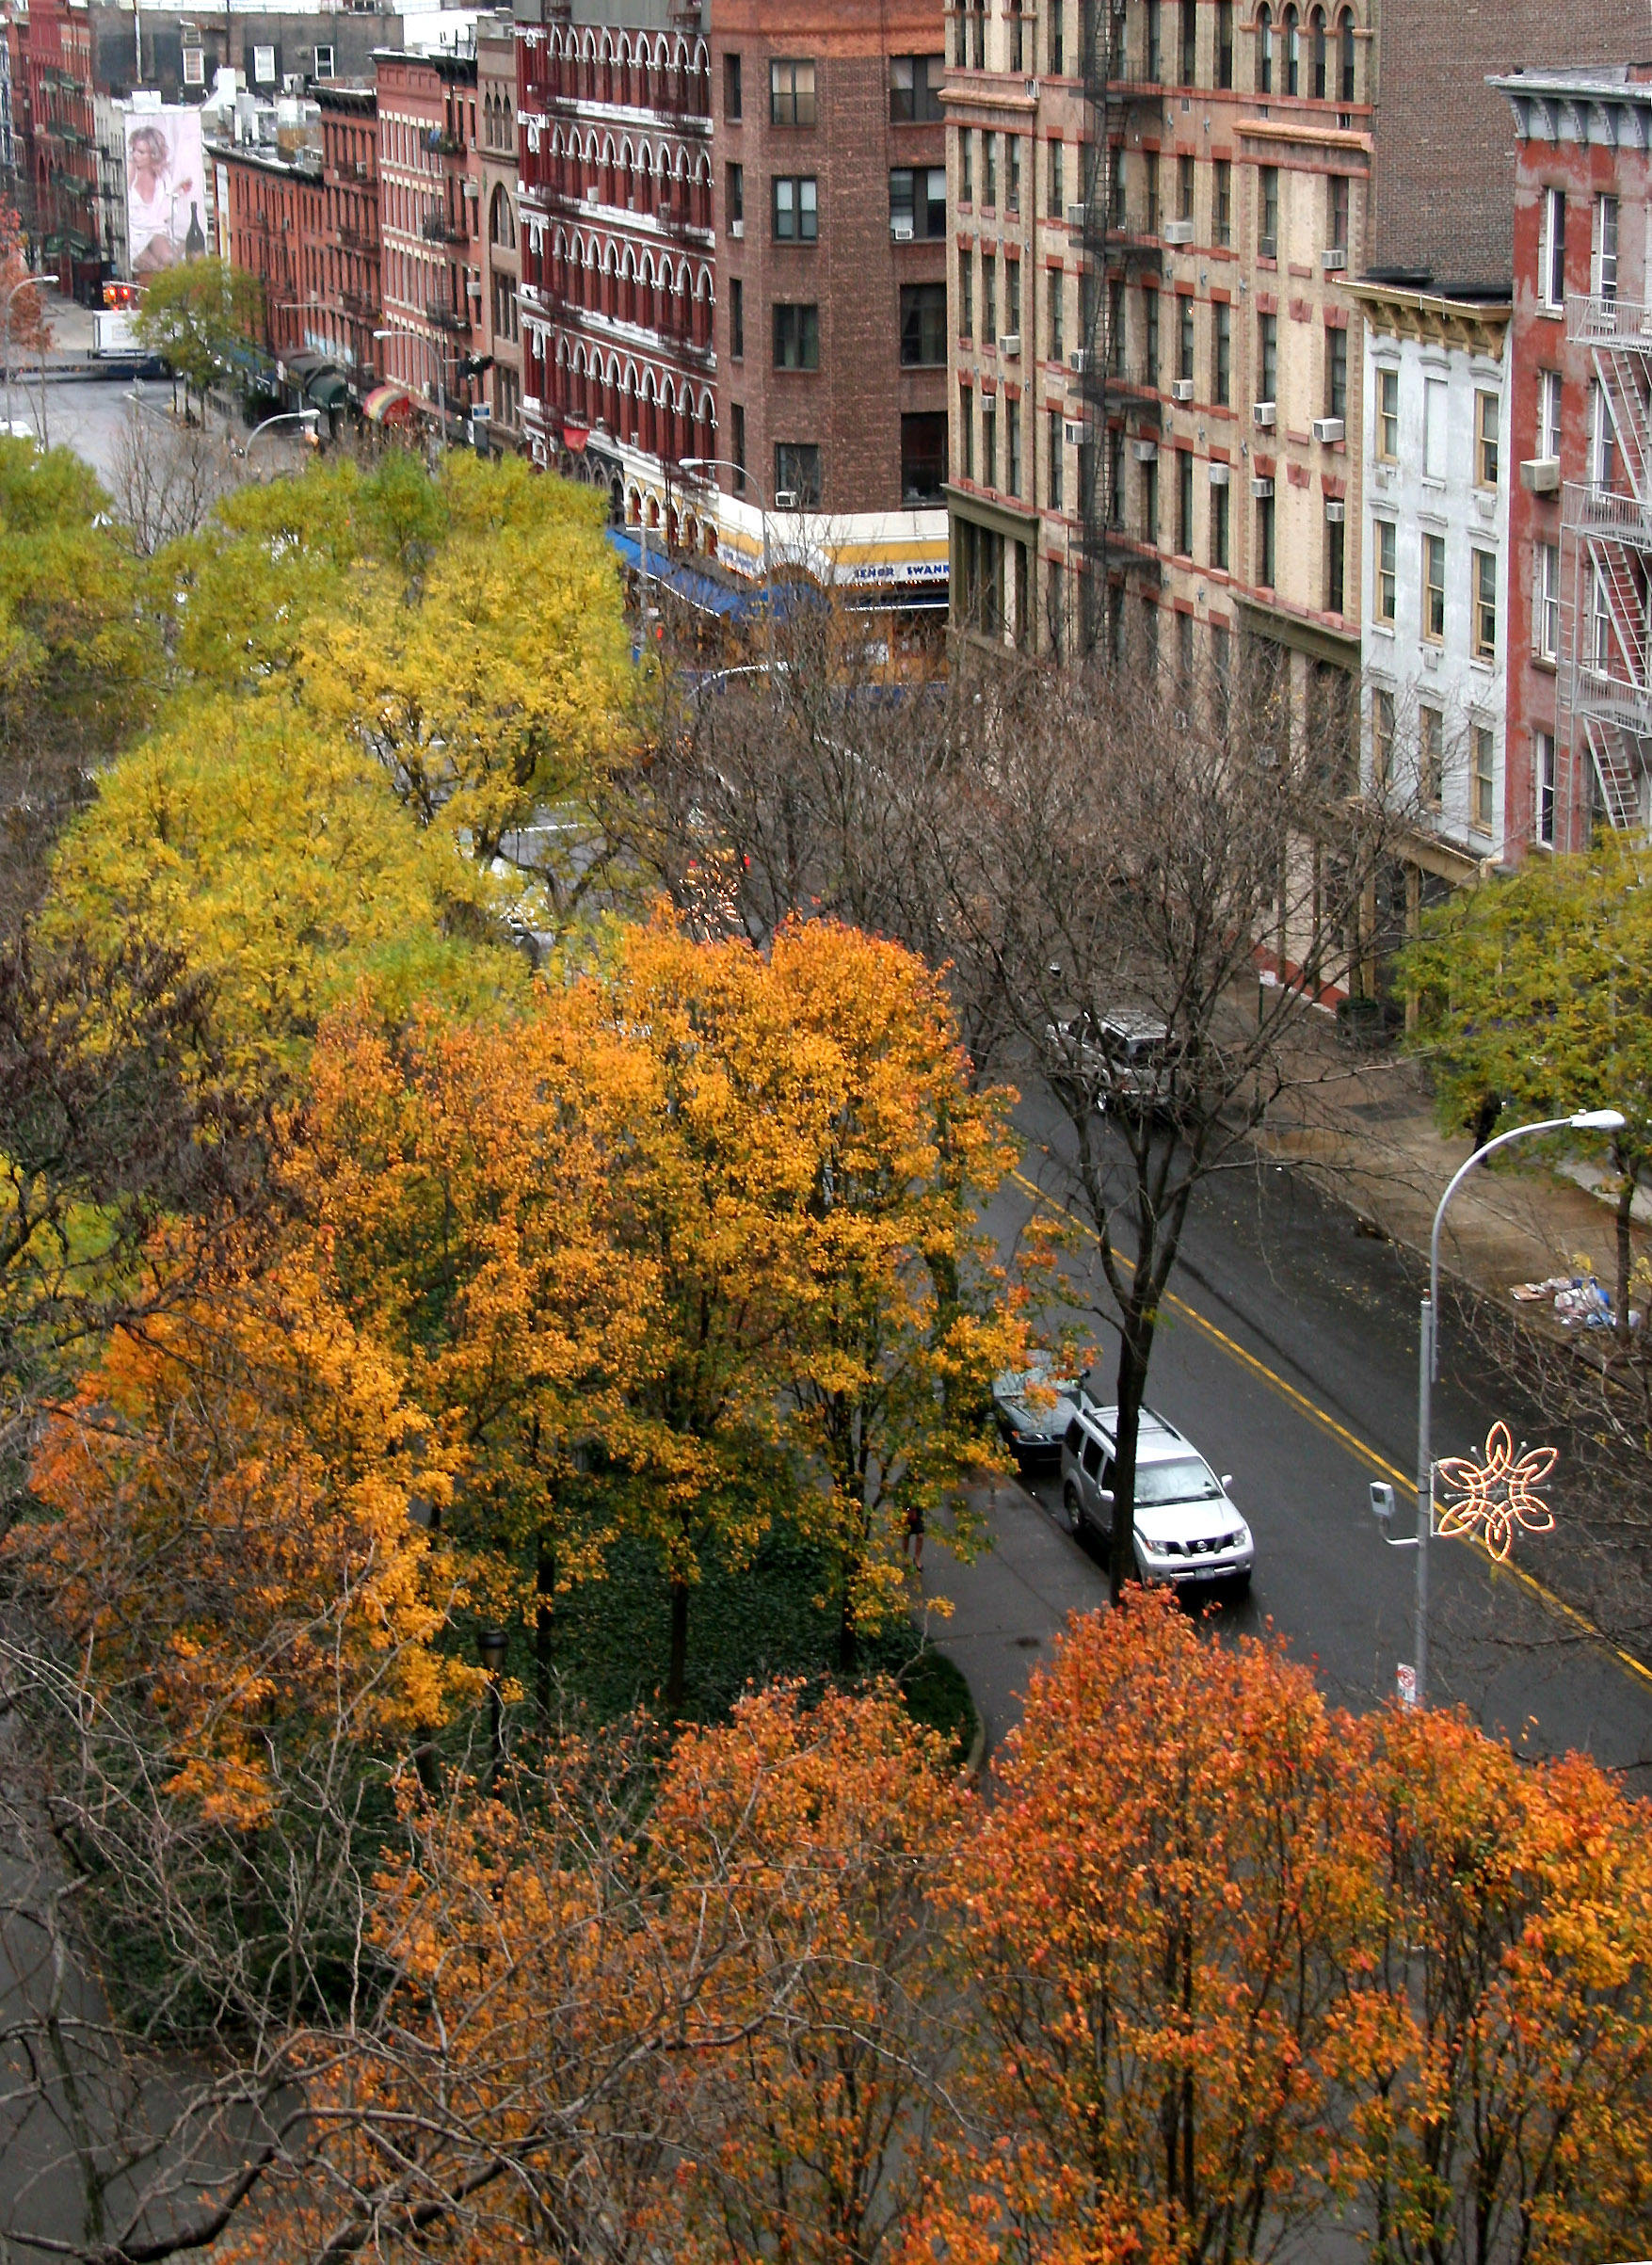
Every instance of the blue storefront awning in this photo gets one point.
(703, 591)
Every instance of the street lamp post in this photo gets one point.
(24, 282)
(308, 419)
(1381, 1496)
(728, 464)
(438, 367)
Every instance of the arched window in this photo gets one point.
(1264, 49)
(501, 228)
(1292, 52)
(1317, 25)
(1345, 42)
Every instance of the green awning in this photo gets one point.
(327, 388)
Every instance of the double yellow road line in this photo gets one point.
(1323, 1420)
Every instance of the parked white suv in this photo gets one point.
(1122, 1055)
(1187, 1530)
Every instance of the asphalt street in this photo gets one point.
(1290, 1356)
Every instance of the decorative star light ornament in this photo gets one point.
(1495, 1496)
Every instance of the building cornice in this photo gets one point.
(1560, 107)
(1313, 138)
(1432, 318)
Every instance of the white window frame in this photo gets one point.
(264, 59)
(1548, 413)
(1543, 789)
(1545, 601)
(1603, 248)
(1553, 238)
(325, 70)
(195, 67)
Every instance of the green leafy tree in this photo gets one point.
(196, 315)
(1537, 991)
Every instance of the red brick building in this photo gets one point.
(429, 198)
(349, 257)
(61, 140)
(277, 230)
(1579, 695)
(616, 254)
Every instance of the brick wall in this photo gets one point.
(1445, 140)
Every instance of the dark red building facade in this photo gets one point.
(1579, 706)
(430, 199)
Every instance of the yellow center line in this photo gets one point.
(1325, 1421)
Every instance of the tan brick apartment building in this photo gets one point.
(501, 269)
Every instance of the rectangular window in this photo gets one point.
(1602, 437)
(1545, 600)
(1548, 414)
(1385, 579)
(1189, 42)
(737, 446)
(732, 94)
(922, 456)
(1151, 191)
(1431, 756)
(1487, 414)
(1153, 57)
(1543, 783)
(903, 204)
(1267, 212)
(195, 67)
(324, 62)
(1223, 42)
(1336, 373)
(1184, 502)
(734, 193)
(923, 326)
(1551, 251)
(1484, 746)
(966, 295)
(1382, 742)
(966, 166)
(1150, 339)
(1056, 291)
(1056, 446)
(1150, 502)
(1388, 432)
(1222, 203)
(796, 208)
(989, 439)
(1222, 353)
(1337, 218)
(1435, 406)
(796, 336)
(797, 474)
(1055, 186)
(792, 92)
(1012, 151)
(1219, 528)
(736, 319)
(1268, 356)
(1265, 542)
(966, 432)
(1603, 259)
(988, 297)
(989, 170)
(1184, 651)
(1057, 40)
(1012, 297)
(1184, 188)
(1335, 564)
(1184, 337)
(1012, 425)
(1433, 589)
(1221, 661)
(263, 66)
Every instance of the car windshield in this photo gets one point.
(1188, 1481)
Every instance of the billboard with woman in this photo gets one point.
(166, 191)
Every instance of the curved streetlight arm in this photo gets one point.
(1550, 1124)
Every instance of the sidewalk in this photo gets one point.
(1364, 1127)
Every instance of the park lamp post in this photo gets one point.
(492, 1646)
(308, 421)
(742, 476)
(1382, 1494)
(24, 282)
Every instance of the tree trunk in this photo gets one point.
(677, 1675)
(1625, 1255)
(1132, 1384)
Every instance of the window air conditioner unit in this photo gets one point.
(1262, 414)
(1145, 452)
(1178, 231)
(1079, 360)
(1075, 216)
(1333, 259)
(1182, 389)
(1540, 475)
(1262, 485)
(1336, 511)
(1072, 434)
(901, 232)
(785, 498)
(737, 229)
(1220, 476)
(1009, 345)
(1328, 428)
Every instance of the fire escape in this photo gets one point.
(1606, 535)
(1116, 402)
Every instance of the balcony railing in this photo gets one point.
(445, 316)
(1592, 320)
(1606, 512)
(437, 227)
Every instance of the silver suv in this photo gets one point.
(1123, 1056)
(1187, 1530)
